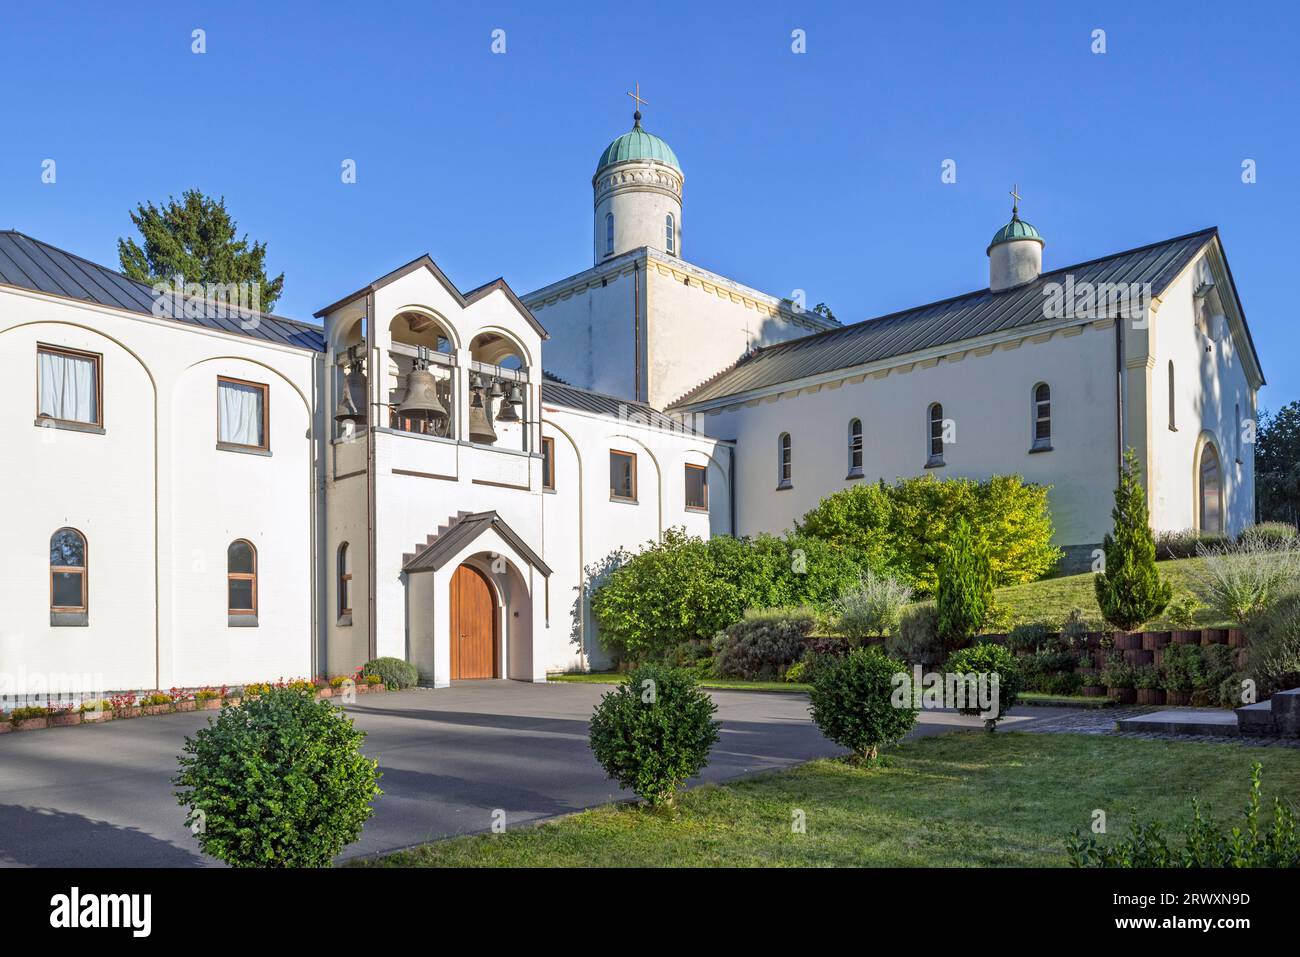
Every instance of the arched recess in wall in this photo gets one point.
(557, 430)
(613, 439)
(1209, 485)
(490, 344)
(423, 325)
(104, 344)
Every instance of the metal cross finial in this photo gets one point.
(1015, 199)
(639, 102)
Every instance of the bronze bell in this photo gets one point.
(509, 408)
(422, 396)
(353, 403)
(480, 426)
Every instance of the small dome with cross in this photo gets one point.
(638, 145)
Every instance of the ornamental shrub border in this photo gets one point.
(135, 704)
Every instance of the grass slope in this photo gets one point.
(1052, 599)
(955, 800)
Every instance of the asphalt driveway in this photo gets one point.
(98, 796)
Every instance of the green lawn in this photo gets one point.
(722, 684)
(955, 800)
(1052, 599)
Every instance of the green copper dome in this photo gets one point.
(637, 144)
(1015, 230)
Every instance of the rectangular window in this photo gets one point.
(622, 476)
(697, 488)
(240, 595)
(68, 386)
(548, 463)
(242, 414)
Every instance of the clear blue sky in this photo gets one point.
(818, 171)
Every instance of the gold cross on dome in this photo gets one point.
(637, 96)
(1015, 197)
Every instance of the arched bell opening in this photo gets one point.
(498, 392)
(421, 375)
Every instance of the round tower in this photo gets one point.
(638, 196)
(1015, 254)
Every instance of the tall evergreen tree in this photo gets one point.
(195, 238)
(1130, 590)
(965, 593)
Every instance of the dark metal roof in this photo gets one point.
(31, 264)
(558, 392)
(467, 528)
(950, 320)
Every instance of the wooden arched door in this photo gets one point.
(473, 625)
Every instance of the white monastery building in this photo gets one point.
(197, 497)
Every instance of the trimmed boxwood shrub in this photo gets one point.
(279, 781)
(854, 701)
(394, 672)
(654, 731)
(991, 659)
(763, 644)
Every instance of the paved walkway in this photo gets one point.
(1103, 720)
(102, 795)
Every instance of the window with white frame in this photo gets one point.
(609, 233)
(670, 229)
(855, 448)
(1042, 436)
(935, 435)
(785, 461)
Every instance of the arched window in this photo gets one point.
(241, 581)
(1211, 482)
(1042, 439)
(855, 448)
(785, 462)
(935, 435)
(345, 582)
(1173, 426)
(609, 233)
(67, 577)
(670, 228)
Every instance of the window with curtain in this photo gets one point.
(609, 233)
(1042, 417)
(671, 231)
(241, 578)
(855, 447)
(622, 476)
(242, 413)
(697, 487)
(345, 580)
(67, 571)
(785, 461)
(68, 386)
(936, 435)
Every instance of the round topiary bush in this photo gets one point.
(854, 701)
(654, 731)
(990, 660)
(395, 672)
(278, 781)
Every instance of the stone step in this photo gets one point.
(1286, 712)
(1182, 721)
(1256, 719)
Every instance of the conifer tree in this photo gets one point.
(1130, 590)
(965, 592)
(195, 239)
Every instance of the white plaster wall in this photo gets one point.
(989, 399)
(1210, 380)
(155, 501)
(582, 525)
